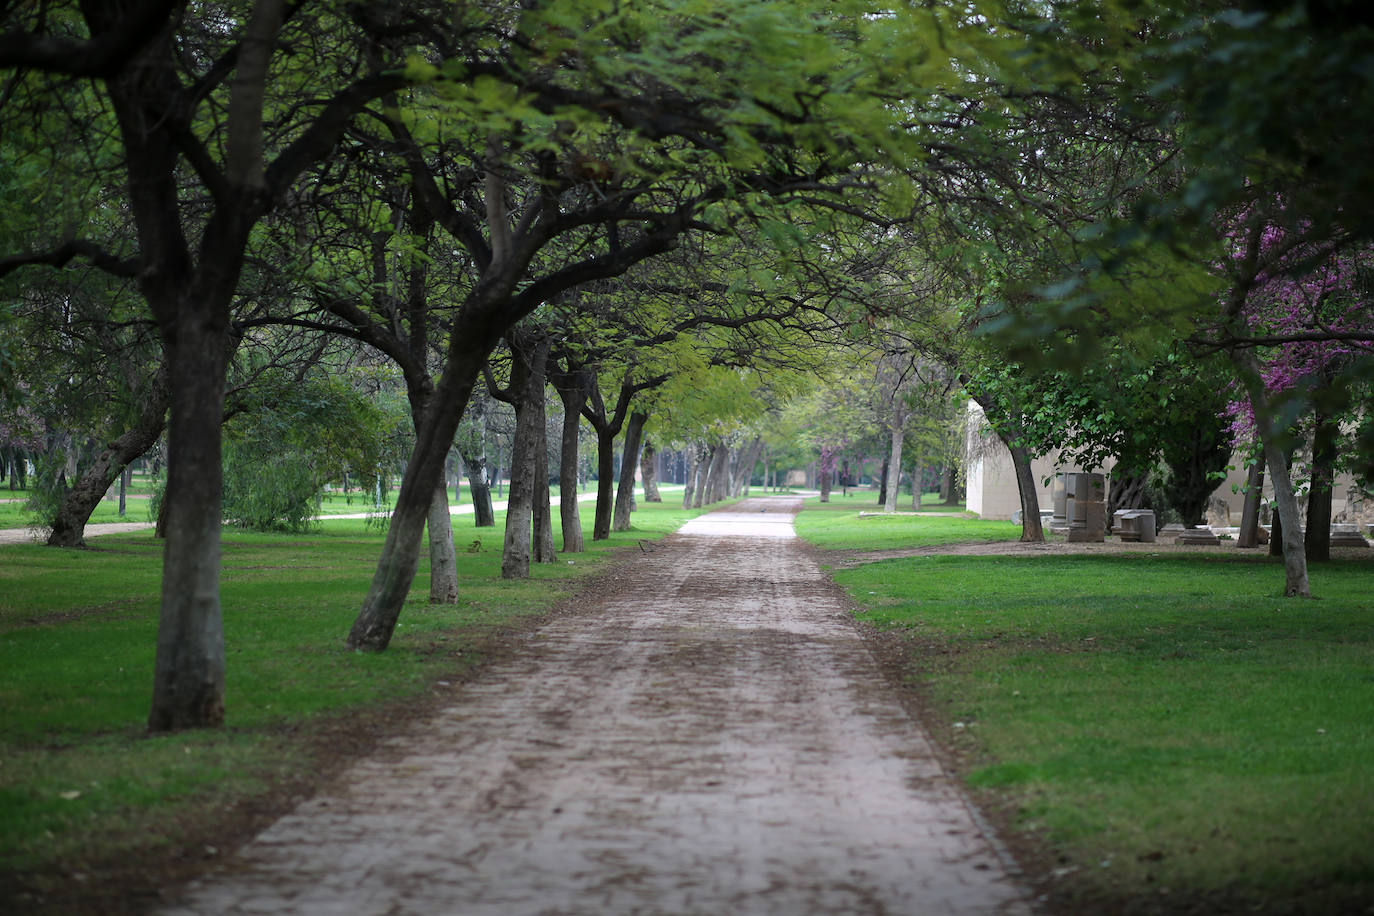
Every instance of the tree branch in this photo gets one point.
(100, 57)
(114, 265)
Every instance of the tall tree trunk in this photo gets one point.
(949, 485)
(708, 465)
(544, 551)
(574, 396)
(744, 469)
(648, 470)
(1317, 539)
(703, 465)
(894, 462)
(1249, 514)
(1031, 529)
(689, 488)
(825, 486)
(443, 559)
(605, 485)
(1294, 554)
(69, 524)
(625, 492)
(713, 488)
(527, 383)
(188, 672)
(468, 350)
(720, 480)
(479, 489)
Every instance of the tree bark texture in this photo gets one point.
(69, 524)
(894, 461)
(479, 489)
(605, 484)
(188, 672)
(1249, 514)
(1294, 553)
(527, 385)
(744, 467)
(1031, 529)
(573, 396)
(544, 551)
(1127, 492)
(624, 496)
(706, 493)
(693, 469)
(1317, 538)
(468, 350)
(719, 487)
(648, 472)
(705, 454)
(443, 559)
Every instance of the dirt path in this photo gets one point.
(711, 738)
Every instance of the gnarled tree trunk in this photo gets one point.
(69, 524)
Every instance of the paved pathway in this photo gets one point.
(712, 738)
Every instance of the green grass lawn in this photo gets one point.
(81, 782)
(16, 515)
(1168, 730)
(856, 522)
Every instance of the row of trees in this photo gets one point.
(214, 206)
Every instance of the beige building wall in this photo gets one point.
(991, 480)
(992, 492)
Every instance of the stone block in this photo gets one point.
(1347, 536)
(1135, 525)
(1197, 537)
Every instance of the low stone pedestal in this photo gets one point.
(1347, 536)
(1197, 537)
(1086, 506)
(1134, 525)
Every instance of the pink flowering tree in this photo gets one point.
(1299, 330)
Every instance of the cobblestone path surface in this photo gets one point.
(714, 739)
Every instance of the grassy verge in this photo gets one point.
(855, 522)
(85, 793)
(16, 515)
(1167, 733)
